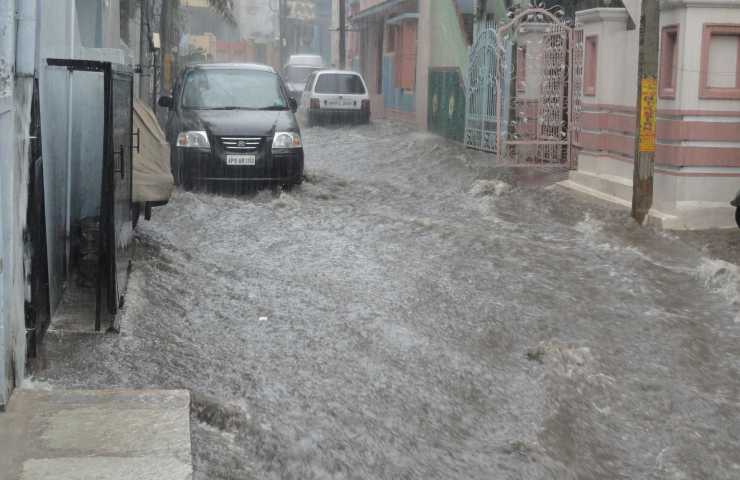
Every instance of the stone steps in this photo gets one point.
(96, 434)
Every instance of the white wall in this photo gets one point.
(691, 27)
(616, 77)
(15, 99)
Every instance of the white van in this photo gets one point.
(297, 71)
(336, 96)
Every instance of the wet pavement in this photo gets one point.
(412, 311)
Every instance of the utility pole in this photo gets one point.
(342, 34)
(647, 106)
(283, 28)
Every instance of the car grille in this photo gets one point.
(241, 144)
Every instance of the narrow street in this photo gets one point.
(413, 312)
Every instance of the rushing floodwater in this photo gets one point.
(411, 312)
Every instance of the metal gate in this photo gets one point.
(114, 225)
(523, 90)
(481, 105)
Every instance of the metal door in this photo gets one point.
(115, 220)
(116, 216)
(122, 175)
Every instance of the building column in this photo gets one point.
(423, 60)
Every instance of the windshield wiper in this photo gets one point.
(274, 107)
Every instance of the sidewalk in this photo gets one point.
(96, 434)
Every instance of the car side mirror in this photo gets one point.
(293, 104)
(165, 101)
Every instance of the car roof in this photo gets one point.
(335, 72)
(306, 60)
(234, 66)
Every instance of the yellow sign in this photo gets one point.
(648, 114)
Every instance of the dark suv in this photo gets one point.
(233, 124)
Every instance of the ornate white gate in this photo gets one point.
(523, 90)
(481, 113)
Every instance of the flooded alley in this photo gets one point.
(413, 312)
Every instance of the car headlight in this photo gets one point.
(193, 139)
(287, 140)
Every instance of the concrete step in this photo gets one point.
(96, 434)
(610, 185)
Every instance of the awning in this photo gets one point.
(379, 8)
(401, 18)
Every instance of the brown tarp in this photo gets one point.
(153, 180)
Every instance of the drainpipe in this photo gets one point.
(25, 53)
(71, 15)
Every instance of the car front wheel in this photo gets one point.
(737, 216)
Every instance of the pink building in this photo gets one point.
(697, 169)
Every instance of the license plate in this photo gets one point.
(341, 103)
(241, 160)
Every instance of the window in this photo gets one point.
(216, 89)
(405, 61)
(298, 74)
(720, 62)
(521, 68)
(590, 66)
(390, 44)
(668, 61)
(341, 83)
(309, 83)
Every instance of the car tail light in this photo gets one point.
(315, 104)
(366, 105)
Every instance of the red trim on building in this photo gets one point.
(590, 68)
(705, 90)
(668, 61)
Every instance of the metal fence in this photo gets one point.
(523, 90)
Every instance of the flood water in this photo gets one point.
(413, 312)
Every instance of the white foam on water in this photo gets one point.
(31, 384)
(487, 188)
(723, 278)
(590, 227)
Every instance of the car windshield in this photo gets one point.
(299, 74)
(211, 89)
(342, 83)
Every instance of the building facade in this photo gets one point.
(413, 55)
(51, 129)
(16, 85)
(697, 168)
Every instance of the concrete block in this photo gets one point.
(96, 434)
